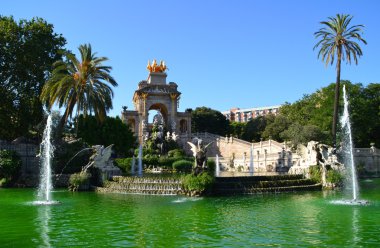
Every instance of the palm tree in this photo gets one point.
(338, 39)
(81, 84)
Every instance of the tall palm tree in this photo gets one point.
(338, 39)
(82, 84)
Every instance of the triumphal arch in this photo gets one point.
(155, 94)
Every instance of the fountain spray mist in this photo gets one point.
(47, 153)
(348, 146)
(140, 165)
(217, 168)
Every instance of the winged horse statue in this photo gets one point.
(100, 157)
(199, 152)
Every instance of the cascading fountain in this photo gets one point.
(140, 169)
(217, 168)
(348, 151)
(46, 155)
(251, 161)
(133, 165)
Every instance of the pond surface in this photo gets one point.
(88, 219)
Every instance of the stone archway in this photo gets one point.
(155, 94)
(160, 108)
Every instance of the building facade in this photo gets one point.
(245, 115)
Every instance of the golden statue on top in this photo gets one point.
(154, 67)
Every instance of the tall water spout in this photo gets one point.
(46, 153)
(348, 147)
(217, 169)
(140, 169)
(251, 162)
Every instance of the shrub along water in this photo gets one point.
(333, 177)
(79, 181)
(165, 162)
(197, 185)
(10, 165)
(183, 165)
(315, 173)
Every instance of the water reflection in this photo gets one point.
(44, 215)
(355, 226)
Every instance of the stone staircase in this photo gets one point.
(263, 184)
(142, 185)
(223, 185)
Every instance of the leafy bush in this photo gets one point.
(176, 153)
(166, 162)
(77, 180)
(197, 185)
(334, 176)
(125, 164)
(211, 166)
(315, 173)
(173, 145)
(10, 165)
(183, 166)
(151, 160)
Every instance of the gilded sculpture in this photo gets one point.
(154, 67)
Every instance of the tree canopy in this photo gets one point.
(111, 131)
(315, 110)
(84, 84)
(28, 48)
(310, 118)
(205, 119)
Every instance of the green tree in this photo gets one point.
(338, 39)
(81, 84)
(110, 131)
(365, 113)
(205, 119)
(275, 129)
(372, 94)
(237, 129)
(300, 134)
(28, 48)
(314, 109)
(254, 128)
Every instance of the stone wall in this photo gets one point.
(27, 153)
(369, 158)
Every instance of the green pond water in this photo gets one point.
(88, 219)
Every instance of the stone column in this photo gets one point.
(143, 117)
(265, 159)
(173, 123)
(189, 126)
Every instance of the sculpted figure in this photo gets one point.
(199, 152)
(100, 157)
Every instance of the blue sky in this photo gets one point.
(222, 54)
